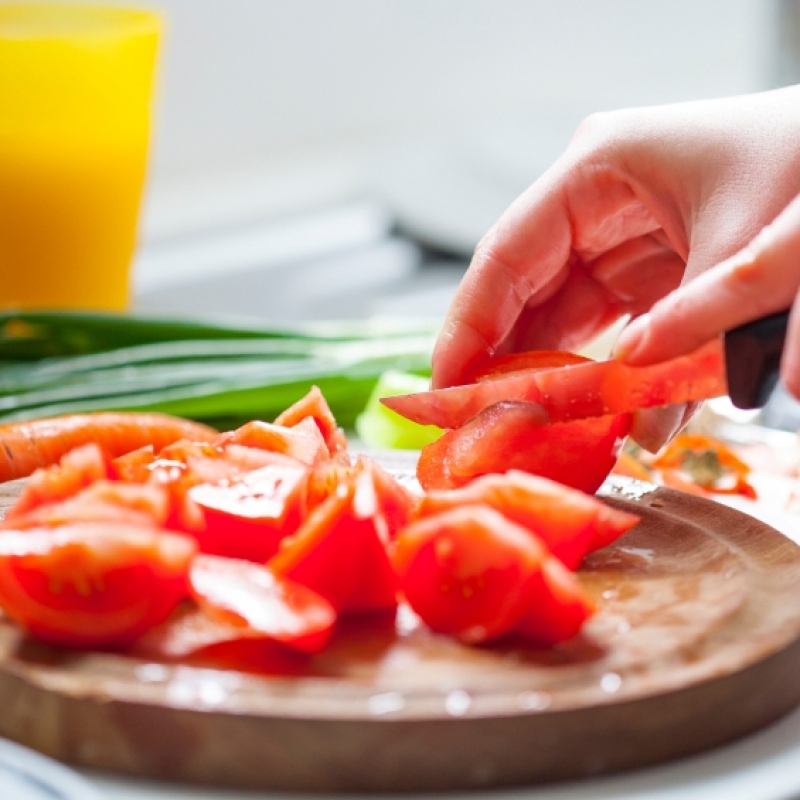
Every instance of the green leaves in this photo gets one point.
(223, 374)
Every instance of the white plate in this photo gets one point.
(26, 775)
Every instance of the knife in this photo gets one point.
(744, 364)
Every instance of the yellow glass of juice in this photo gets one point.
(76, 90)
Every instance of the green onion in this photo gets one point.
(216, 372)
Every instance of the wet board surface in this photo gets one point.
(696, 642)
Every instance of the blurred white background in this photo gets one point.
(435, 113)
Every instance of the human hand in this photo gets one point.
(642, 201)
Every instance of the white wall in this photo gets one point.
(255, 77)
(269, 106)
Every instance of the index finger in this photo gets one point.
(535, 230)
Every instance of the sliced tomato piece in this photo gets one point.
(515, 435)
(326, 478)
(134, 467)
(510, 435)
(397, 504)
(191, 634)
(101, 501)
(465, 571)
(252, 595)
(76, 470)
(248, 516)
(568, 522)
(92, 584)
(556, 608)
(314, 405)
(472, 573)
(340, 551)
(303, 441)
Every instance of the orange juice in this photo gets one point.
(76, 86)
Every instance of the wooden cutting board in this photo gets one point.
(696, 642)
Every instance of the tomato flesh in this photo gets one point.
(249, 516)
(569, 522)
(339, 551)
(92, 584)
(252, 596)
(76, 469)
(514, 435)
(303, 441)
(313, 405)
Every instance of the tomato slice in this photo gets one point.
(313, 405)
(134, 467)
(475, 575)
(303, 441)
(76, 469)
(514, 434)
(92, 584)
(251, 595)
(472, 573)
(101, 501)
(557, 606)
(340, 551)
(247, 517)
(510, 435)
(568, 522)
(190, 634)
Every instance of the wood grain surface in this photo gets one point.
(696, 642)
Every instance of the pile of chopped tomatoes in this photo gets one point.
(274, 531)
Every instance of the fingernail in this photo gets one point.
(632, 338)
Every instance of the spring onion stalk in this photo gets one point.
(217, 372)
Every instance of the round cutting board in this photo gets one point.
(696, 642)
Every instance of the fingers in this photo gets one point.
(500, 280)
(760, 279)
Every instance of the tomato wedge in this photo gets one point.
(514, 434)
(248, 516)
(313, 405)
(475, 575)
(510, 435)
(75, 470)
(102, 501)
(557, 606)
(465, 571)
(92, 584)
(303, 441)
(569, 523)
(340, 550)
(252, 596)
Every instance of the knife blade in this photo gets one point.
(596, 388)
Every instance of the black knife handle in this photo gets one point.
(752, 358)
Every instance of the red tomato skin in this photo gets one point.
(53, 583)
(506, 436)
(466, 571)
(556, 608)
(578, 454)
(339, 552)
(249, 516)
(569, 522)
(251, 596)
